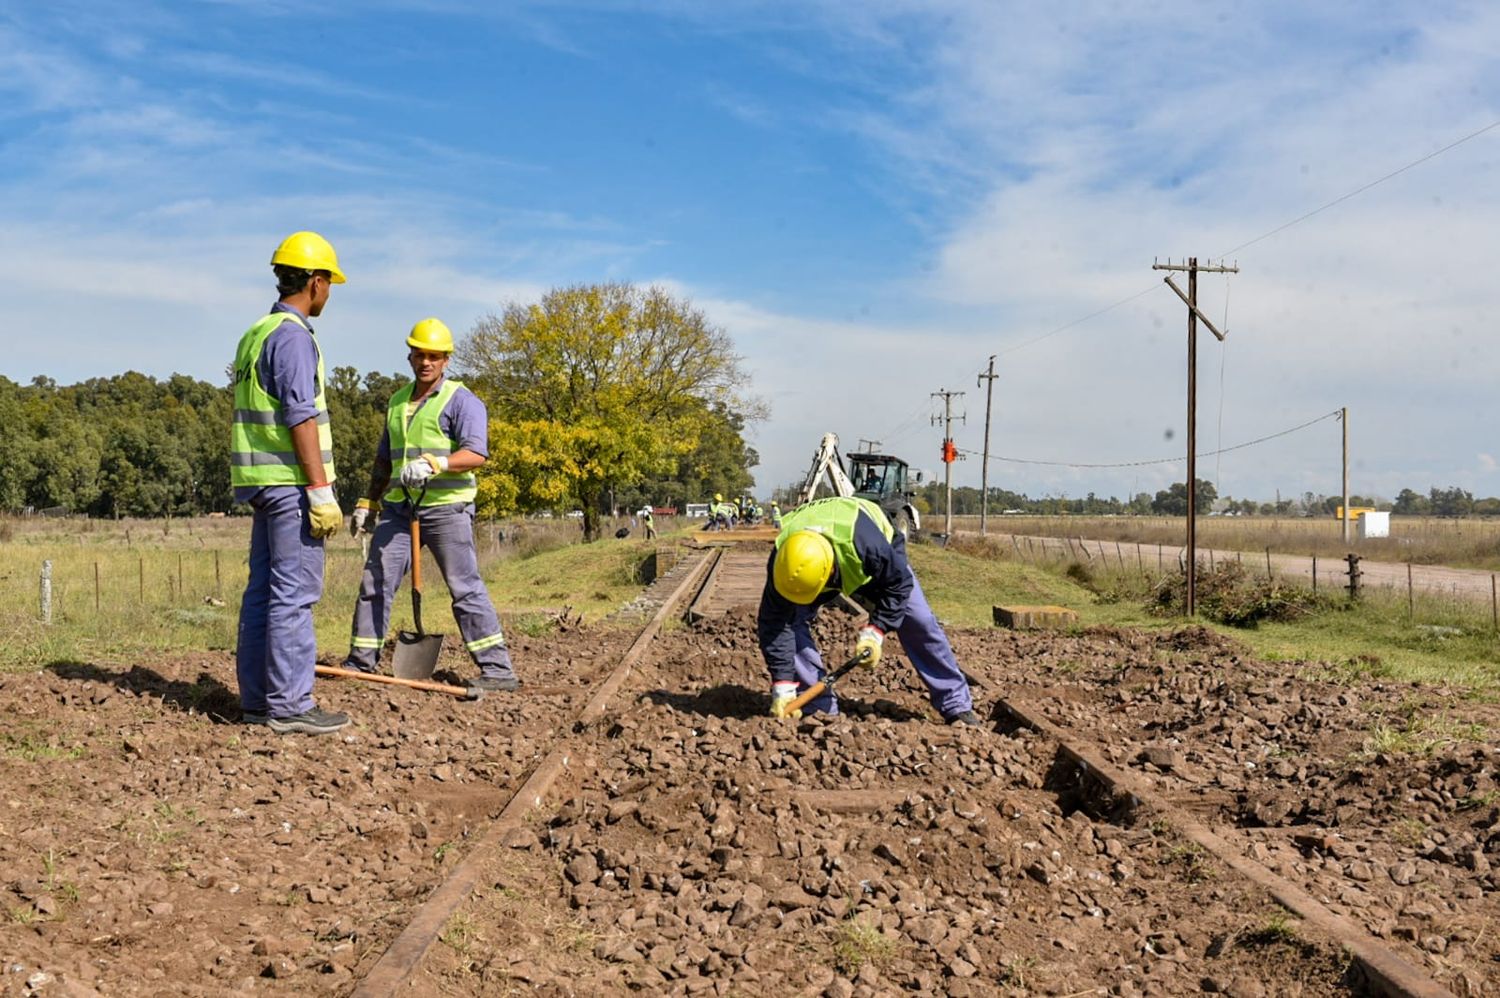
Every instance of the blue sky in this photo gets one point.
(871, 198)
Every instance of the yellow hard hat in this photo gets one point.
(308, 251)
(431, 334)
(804, 564)
(718, 497)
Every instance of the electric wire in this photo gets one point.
(1161, 460)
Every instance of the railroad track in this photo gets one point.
(391, 973)
(719, 581)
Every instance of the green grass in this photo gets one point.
(856, 943)
(1374, 639)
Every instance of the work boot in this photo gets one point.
(312, 721)
(254, 717)
(497, 684)
(967, 717)
(353, 666)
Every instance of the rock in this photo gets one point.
(1404, 872)
(584, 869)
(1161, 756)
(279, 968)
(520, 837)
(961, 968)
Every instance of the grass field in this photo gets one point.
(135, 588)
(173, 588)
(1470, 543)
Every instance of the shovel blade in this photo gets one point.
(416, 655)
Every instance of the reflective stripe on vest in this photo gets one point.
(424, 435)
(834, 518)
(260, 442)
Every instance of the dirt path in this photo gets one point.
(1465, 583)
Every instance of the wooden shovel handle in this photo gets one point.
(416, 551)
(463, 692)
(807, 697)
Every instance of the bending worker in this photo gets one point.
(846, 545)
(436, 435)
(281, 463)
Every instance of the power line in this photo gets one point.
(1163, 460)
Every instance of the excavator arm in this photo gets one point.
(827, 463)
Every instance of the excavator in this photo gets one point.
(880, 478)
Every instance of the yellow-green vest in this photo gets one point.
(260, 442)
(834, 518)
(424, 435)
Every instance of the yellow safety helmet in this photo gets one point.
(308, 251)
(718, 497)
(431, 334)
(803, 566)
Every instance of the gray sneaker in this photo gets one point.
(497, 684)
(310, 722)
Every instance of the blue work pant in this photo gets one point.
(925, 644)
(448, 532)
(277, 648)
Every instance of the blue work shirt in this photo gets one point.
(885, 596)
(288, 371)
(464, 420)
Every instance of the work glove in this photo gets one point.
(415, 473)
(870, 641)
(782, 694)
(324, 514)
(364, 512)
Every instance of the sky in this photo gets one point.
(871, 198)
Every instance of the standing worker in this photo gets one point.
(776, 514)
(281, 463)
(436, 435)
(648, 523)
(846, 545)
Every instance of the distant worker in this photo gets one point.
(648, 522)
(436, 435)
(846, 545)
(281, 463)
(776, 514)
(872, 482)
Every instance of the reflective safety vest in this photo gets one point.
(260, 442)
(422, 434)
(834, 518)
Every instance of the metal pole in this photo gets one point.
(1344, 418)
(1192, 438)
(984, 464)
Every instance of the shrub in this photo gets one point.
(1229, 595)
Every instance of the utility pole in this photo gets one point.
(1344, 418)
(868, 446)
(1191, 301)
(950, 454)
(984, 464)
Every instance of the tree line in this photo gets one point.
(597, 395)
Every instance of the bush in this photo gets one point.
(1229, 595)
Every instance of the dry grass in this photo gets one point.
(1468, 543)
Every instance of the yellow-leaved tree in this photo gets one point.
(594, 386)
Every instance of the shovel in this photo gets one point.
(416, 654)
(826, 683)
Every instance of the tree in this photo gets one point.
(1173, 501)
(1409, 503)
(597, 386)
(1451, 502)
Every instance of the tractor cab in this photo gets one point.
(889, 483)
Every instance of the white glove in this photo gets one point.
(782, 694)
(360, 520)
(414, 474)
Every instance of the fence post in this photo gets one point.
(1315, 573)
(96, 588)
(46, 592)
(1494, 604)
(1160, 565)
(218, 579)
(1268, 563)
(1354, 575)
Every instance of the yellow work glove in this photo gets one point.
(323, 515)
(364, 513)
(869, 644)
(782, 694)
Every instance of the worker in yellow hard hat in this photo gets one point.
(847, 545)
(281, 464)
(436, 436)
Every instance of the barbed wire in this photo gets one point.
(1162, 460)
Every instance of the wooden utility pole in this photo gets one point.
(984, 464)
(1344, 418)
(1190, 299)
(950, 454)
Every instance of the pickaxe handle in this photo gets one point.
(816, 689)
(462, 692)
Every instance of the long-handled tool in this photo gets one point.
(462, 692)
(826, 683)
(416, 653)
